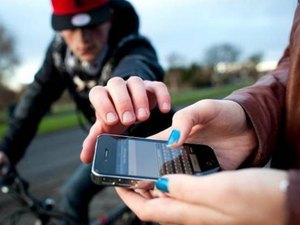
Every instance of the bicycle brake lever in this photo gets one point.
(11, 179)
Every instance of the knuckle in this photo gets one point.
(159, 84)
(115, 81)
(179, 114)
(134, 79)
(95, 91)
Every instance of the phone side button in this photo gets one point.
(123, 183)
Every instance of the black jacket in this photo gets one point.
(126, 54)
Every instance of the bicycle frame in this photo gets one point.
(11, 183)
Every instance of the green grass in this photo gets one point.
(52, 123)
(58, 121)
(190, 96)
(2, 129)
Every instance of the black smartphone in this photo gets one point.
(137, 162)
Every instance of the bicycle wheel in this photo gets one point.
(18, 217)
(121, 215)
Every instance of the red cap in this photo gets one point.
(66, 7)
(69, 14)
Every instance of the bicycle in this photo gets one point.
(13, 184)
(44, 211)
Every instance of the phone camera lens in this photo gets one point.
(210, 163)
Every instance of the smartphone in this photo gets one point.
(138, 162)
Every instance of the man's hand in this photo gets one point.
(122, 103)
(3, 160)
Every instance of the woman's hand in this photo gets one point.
(249, 196)
(221, 124)
(122, 103)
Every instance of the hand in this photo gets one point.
(3, 160)
(122, 103)
(222, 124)
(249, 196)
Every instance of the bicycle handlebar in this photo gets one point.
(10, 177)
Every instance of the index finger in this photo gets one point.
(161, 93)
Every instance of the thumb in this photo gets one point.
(88, 146)
(183, 121)
(3, 158)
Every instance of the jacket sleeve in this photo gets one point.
(32, 106)
(264, 104)
(293, 198)
(135, 56)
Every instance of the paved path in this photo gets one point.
(50, 160)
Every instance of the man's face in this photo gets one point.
(87, 43)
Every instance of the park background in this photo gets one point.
(207, 48)
(204, 46)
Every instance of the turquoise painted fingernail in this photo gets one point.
(162, 184)
(174, 137)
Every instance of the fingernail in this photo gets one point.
(162, 184)
(166, 106)
(174, 137)
(142, 112)
(127, 117)
(110, 117)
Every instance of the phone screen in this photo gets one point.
(139, 157)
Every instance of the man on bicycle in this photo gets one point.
(94, 41)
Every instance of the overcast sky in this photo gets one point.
(185, 27)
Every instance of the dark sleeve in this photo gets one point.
(32, 106)
(293, 198)
(135, 56)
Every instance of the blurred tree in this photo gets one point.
(8, 97)
(190, 72)
(255, 58)
(8, 62)
(8, 57)
(222, 59)
(175, 60)
(223, 53)
(251, 65)
(196, 76)
(173, 78)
